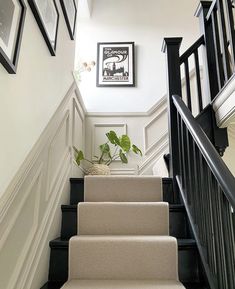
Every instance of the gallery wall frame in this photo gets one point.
(115, 64)
(69, 9)
(12, 18)
(47, 16)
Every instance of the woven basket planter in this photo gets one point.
(98, 169)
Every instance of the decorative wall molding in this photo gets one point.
(224, 104)
(29, 206)
(124, 171)
(150, 146)
(158, 152)
(120, 128)
(52, 173)
(151, 111)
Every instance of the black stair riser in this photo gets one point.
(188, 262)
(178, 222)
(77, 190)
(58, 268)
(69, 222)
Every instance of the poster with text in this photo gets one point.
(115, 64)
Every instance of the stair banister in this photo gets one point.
(171, 47)
(213, 159)
(207, 189)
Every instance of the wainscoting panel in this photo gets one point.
(99, 131)
(33, 199)
(148, 131)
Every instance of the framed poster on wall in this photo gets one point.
(115, 64)
(12, 16)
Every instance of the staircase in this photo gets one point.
(124, 239)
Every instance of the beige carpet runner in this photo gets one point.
(123, 237)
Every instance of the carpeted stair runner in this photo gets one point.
(123, 237)
(123, 189)
(123, 218)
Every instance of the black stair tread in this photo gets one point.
(58, 242)
(186, 243)
(69, 208)
(195, 286)
(76, 180)
(57, 285)
(173, 207)
(52, 285)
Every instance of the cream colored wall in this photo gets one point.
(30, 214)
(29, 98)
(146, 23)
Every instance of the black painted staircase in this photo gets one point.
(190, 269)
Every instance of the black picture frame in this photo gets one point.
(10, 61)
(71, 28)
(118, 57)
(51, 43)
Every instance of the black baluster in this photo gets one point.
(198, 79)
(187, 82)
(219, 62)
(224, 40)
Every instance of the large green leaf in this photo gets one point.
(136, 150)
(123, 157)
(79, 157)
(105, 148)
(112, 137)
(125, 143)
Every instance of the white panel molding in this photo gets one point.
(124, 171)
(51, 181)
(34, 178)
(97, 125)
(224, 104)
(151, 111)
(41, 239)
(155, 155)
(4, 232)
(149, 147)
(37, 180)
(77, 109)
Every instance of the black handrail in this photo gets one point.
(221, 172)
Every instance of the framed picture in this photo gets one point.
(70, 14)
(12, 17)
(115, 64)
(47, 17)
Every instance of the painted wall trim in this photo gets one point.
(224, 104)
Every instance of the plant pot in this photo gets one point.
(98, 169)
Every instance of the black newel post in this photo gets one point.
(171, 48)
(210, 60)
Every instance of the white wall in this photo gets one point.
(146, 23)
(29, 98)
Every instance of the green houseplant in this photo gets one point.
(122, 147)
